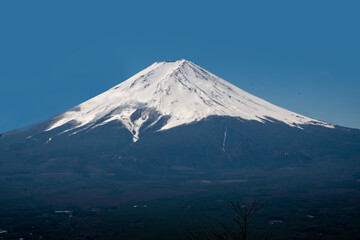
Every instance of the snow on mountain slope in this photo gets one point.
(180, 90)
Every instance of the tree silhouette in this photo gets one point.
(240, 232)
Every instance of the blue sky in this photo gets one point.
(301, 55)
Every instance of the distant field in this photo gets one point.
(293, 210)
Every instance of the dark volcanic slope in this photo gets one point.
(211, 144)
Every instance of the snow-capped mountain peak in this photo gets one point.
(180, 91)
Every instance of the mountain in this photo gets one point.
(173, 122)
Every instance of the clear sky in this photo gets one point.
(300, 55)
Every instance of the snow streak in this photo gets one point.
(223, 146)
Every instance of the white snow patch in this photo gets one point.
(180, 90)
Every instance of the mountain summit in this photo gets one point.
(175, 93)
